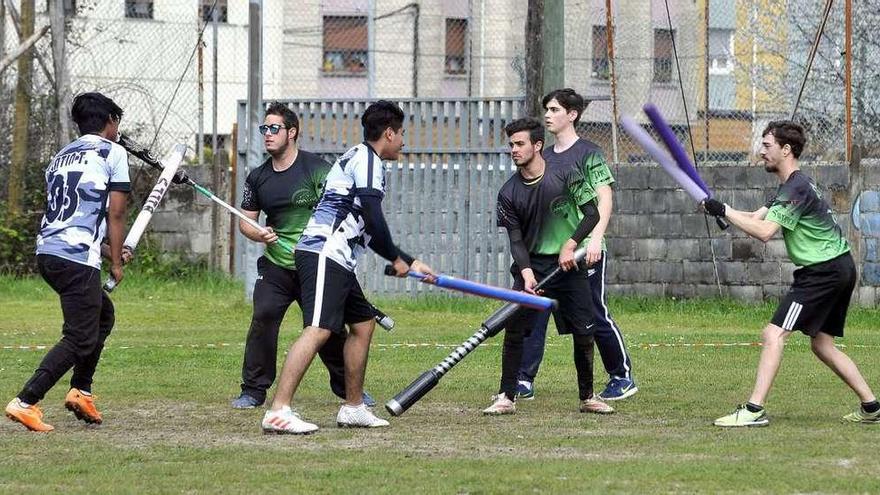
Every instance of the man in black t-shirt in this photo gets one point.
(548, 211)
(286, 187)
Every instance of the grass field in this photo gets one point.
(173, 363)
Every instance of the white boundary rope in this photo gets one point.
(435, 345)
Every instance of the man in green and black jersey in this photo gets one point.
(286, 187)
(564, 109)
(818, 299)
(548, 211)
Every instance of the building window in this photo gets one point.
(600, 53)
(207, 13)
(139, 9)
(456, 34)
(721, 55)
(345, 45)
(663, 55)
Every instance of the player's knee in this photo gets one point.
(84, 346)
(772, 335)
(821, 346)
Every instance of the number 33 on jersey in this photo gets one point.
(78, 183)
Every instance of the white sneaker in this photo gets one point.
(358, 417)
(501, 405)
(286, 422)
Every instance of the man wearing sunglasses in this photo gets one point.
(286, 187)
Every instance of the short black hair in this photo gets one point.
(568, 99)
(91, 111)
(291, 121)
(380, 116)
(531, 124)
(787, 132)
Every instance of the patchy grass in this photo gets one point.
(173, 363)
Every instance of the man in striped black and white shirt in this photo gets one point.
(346, 221)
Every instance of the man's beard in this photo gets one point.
(524, 163)
(277, 152)
(770, 168)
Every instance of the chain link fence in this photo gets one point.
(718, 69)
(744, 58)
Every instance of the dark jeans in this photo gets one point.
(513, 353)
(609, 339)
(88, 319)
(275, 290)
(572, 316)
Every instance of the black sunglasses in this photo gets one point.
(272, 129)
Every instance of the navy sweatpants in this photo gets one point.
(608, 338)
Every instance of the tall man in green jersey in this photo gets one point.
(548, 210)
(818, 299)
(564, 108)
(286, 187)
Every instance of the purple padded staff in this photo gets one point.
(662, 157)
(681, 157)
(675, 148)
(490, 291)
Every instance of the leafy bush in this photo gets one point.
(151, 261)
(18, 234)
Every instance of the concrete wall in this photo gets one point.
(658, 242)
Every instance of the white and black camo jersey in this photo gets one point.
(336, 229)
(78, 183)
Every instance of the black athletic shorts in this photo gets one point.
(331, 295)
(819, 298)
(574, 315)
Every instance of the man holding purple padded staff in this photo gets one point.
(564, 108)
(548, 210)
(818, 299)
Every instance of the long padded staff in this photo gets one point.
(490, 327)
(483, 290)
(143, 219)
(180, 177)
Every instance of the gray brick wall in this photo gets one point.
(659, 245)
(657, 241)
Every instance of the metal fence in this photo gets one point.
(441, 193)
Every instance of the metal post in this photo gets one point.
(482, 46)
(217, 234)
(62, 87)
(200, 93)
(706, 62)
(254, 151)
(469, 50)
(609, 33)
(255, 84)
(848, 78)
(534, 58)
(417, 13)
(554, 44)
(3, 25)
(371, 48)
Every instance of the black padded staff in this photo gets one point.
(490, 327)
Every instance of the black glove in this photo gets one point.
(714, 207)
(180, 177)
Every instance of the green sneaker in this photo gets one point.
(743, 417)
(860, 416)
